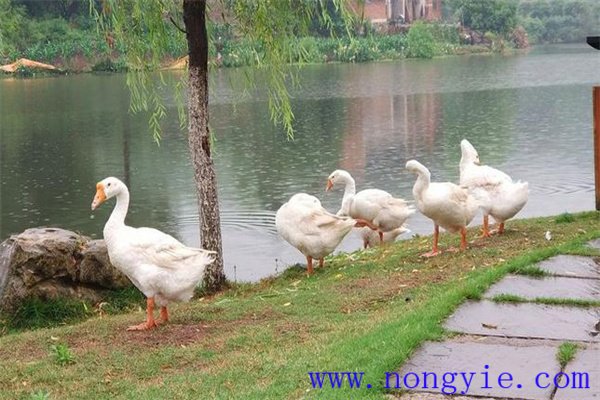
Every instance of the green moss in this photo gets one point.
(566, 353)
(511, 298)
(508, 298)
(531, 270)
(567, 302)
(35, 313)
(565, 218)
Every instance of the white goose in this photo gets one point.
(381, 209)
(310, 228)
(371, 238)
(447, 204)
(156, 263)
(495, 191)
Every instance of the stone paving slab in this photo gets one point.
(549, 287)
(525, 320)
(522, 362)
(587, 360)
(571, 266)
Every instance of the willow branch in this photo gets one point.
(177, 26)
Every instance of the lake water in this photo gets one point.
(529, 115)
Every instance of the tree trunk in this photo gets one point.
(194, 17)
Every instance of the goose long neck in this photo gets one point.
(350, 188)
(466, 160)
(349, 192)
(463, 163)
(423, 180)
(117, 218)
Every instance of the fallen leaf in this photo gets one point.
(489, 326)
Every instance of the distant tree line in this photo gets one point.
(59, 30)
(40, 29)
(496, 16)
(64, 33)
(556, 21)
(546, 21)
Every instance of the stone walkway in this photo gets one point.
(521, 339)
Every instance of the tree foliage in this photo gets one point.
(141, 29)
(334, 25)
(420, 41)
(11, 18)
(46, 30)
(496, 16)
(67, 9)
(553, 21)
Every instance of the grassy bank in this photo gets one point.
(366, 311)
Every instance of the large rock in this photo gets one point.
(50, 263)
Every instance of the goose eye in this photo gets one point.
(108, 184)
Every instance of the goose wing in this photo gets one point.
(161, 249)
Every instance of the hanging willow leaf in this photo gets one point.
(141, 28)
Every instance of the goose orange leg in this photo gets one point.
(321, 262)
(164, 315)
(150, 322)
(309, 266)
(486, 231)
(434, 252)
(501, 228)
(380, 237)
(463, 238)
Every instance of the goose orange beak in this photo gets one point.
(100, 196)
(329, 185)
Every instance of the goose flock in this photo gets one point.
(166, 271)
(315, 232)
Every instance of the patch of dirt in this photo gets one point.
(166, 335)
(211, 333)
(301, 331)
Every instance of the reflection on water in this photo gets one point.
(529, 115)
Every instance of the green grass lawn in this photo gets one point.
(365, 311)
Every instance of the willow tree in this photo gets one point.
(142, 28)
